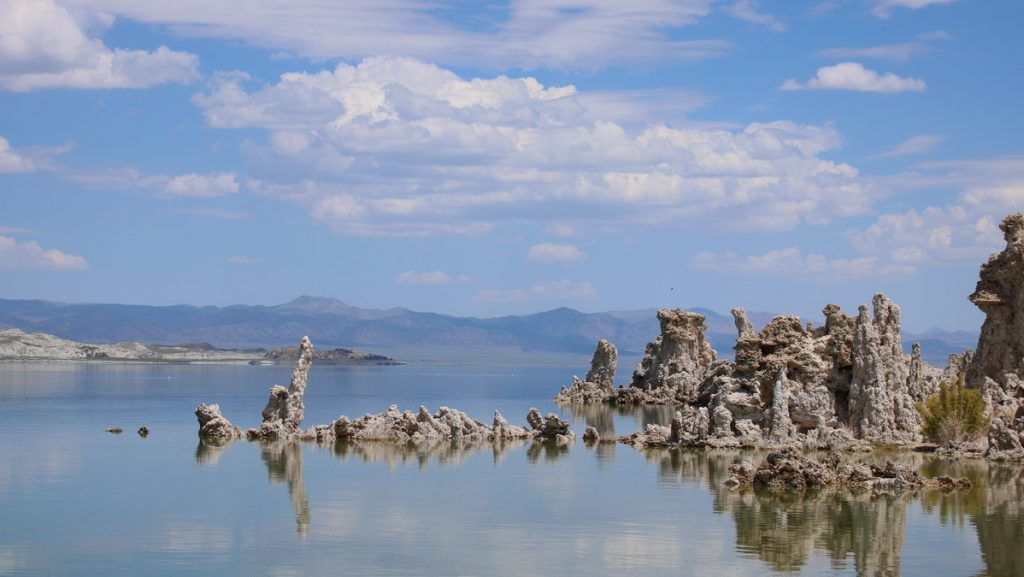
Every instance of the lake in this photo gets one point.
(78, 501)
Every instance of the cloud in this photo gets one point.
(190, 185)
(29, 255)
(399, 147)
(200, 185)
(749, 10)
(43, 46)
(429, 278)
(883, 8)
(963, 230)
(919, 144)
(242, 260)
(13, 161)
(853, 76)
(792, 262)
(525, 35)
(547, 252)
(557, 290)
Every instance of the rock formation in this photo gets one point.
(679, 358)
(447, 425)
(283, 414)
(599, 384)
(214, 428)
(997, 367)
(790, 384)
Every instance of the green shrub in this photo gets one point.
(953, 414)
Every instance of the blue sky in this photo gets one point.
(510, 157)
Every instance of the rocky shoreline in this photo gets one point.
(846, 385)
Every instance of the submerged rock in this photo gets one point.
(143, 431)
(997, 367)
(788, 470)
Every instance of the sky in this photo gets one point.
(494, 158)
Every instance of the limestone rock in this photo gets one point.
(590, 435)
(603, 364)
(446, 424)
(679, 357)
(214, 427)
(282, 417)
(598, 385)
(997, 366)
(881, 408)
(550, 427)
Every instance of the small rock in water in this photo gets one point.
(115, 430)
(143, 431)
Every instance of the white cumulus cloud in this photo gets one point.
(396, 146)
(854, 76)
(548, 252)
(42, 45)
(29, 255)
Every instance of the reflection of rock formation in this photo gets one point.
(284, 464)
(208, 453)
(784, 529)
(602, 416)
(998, 364)
(1001, 524)
(441, 452)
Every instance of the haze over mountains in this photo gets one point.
(333, 323)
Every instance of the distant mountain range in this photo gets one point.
(332, 323)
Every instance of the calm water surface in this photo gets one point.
(77, 501)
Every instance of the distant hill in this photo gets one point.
(332, 323)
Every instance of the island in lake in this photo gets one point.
(19, 345)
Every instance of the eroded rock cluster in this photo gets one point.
(997, 367)
(447, 425)
(788, 470)
(282, 418)
(790, 384)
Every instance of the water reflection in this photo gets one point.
(862, 532)
(785, 529)
(209, 453)
(442, 453)
(602, 416)
(284, 465)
